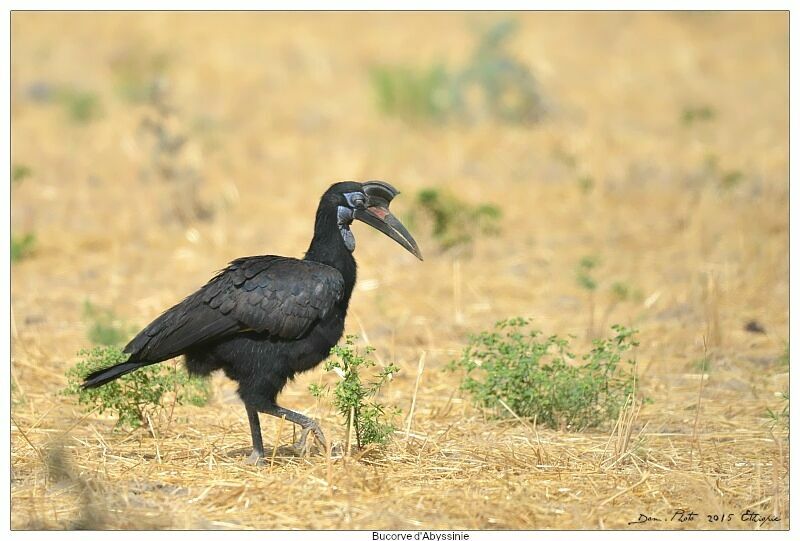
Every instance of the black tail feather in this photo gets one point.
(101, 377)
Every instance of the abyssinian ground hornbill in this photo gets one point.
(265, 318)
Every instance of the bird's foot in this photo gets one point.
(302, 447)
(255, 458)
(320, 437)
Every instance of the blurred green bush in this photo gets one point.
(454, 222)
(506, 89)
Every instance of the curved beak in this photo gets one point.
(380, 218)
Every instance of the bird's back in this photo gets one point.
(270, 296)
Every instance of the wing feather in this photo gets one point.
(278, 296)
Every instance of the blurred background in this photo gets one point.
(581, 169)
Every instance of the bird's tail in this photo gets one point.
(101, 377)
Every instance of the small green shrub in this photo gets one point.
(537, 377)
(354, 399)
(22, 246)
(780, 419)
(725, 180)
(136, 397)
(509, 91)
(505, 88)
(618, 292)
(82, 106)
(411, 92)
(702, 365)
(583, 273)
(695, 114)
(586, 184)
(20, 172)
(105, 329)
(455, 222)
(586, 280)
(621, 291)
(731, 179)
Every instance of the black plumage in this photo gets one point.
(264, 319)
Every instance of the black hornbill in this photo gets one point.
(264, 319)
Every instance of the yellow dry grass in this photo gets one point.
(277, 106)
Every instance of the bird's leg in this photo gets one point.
(309, 425)
(255, 432)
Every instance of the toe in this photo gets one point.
(254, 458)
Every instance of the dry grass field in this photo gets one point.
(663, 153)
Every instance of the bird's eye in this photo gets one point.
(356, 200)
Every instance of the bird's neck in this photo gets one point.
(328, 247)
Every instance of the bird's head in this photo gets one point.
(368, 202)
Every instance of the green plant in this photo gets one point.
(22, 247)
(780, 419)
(82, 106)
(586, 184)
(411, 92)
(504, 87)
(535, 377)
(354, 399)
(586, 280)
(453, 221)
(694, 114)
(20, 172)
(105, 328)
(617, 293)
(621, 291)
(726, 180)
(508, 89)
(584, 272)
(731, 179)
(702, 365)
(139, 398)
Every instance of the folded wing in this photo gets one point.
(278, 296)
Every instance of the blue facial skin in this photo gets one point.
(344, 217)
